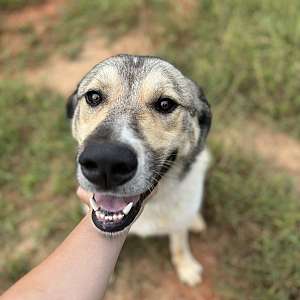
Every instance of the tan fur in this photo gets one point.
(88, 119)
(159, 132)
(87, 122)
(155, 85)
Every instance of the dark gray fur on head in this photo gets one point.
(71, 104)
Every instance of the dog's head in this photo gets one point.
(134, 117)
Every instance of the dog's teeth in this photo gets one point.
(110, 218)
(98, 214)
(115, 217)
(106, 218)
(127, 208)
(93, 203)
(120, 216)
(102, 215)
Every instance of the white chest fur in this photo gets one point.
(176, 203)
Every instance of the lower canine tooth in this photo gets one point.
(127, 208)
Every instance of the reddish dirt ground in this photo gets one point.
(277, 148)
(63, 75)
(143, 276)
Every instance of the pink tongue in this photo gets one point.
(114, 203)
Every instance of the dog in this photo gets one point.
(141, 127)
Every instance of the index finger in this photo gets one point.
(83, 195)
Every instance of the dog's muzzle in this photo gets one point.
(109, 166)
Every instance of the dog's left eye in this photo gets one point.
(93, 98)
(165, 105)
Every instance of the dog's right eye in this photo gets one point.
(93, 98)
(165, 105)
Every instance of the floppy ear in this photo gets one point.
(205, 115)
(71, 104)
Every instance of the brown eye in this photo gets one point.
(93, 98)
(165, 105)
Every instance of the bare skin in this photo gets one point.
(78, 269)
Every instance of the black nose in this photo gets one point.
(108, 165)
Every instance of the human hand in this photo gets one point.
(83, 196)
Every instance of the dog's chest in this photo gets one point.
(159, 215)
(175, 204)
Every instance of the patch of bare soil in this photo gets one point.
(142, 277)
(184, 9)
(34, 15)
(63, 75)
(277, 148)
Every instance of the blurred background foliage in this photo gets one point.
(245, 54)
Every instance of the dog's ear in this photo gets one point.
(71, 104)
(205, 115)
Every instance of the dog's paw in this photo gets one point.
(190, 272)
(198, 224)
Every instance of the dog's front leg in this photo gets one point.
(188, 268)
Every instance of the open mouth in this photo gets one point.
(114, 213)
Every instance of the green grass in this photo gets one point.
(30, 137)
(25, 46)
(258, 213)
(17, 4)
(17, 268)
(111, 17)
(37, 180)
(244, 53)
